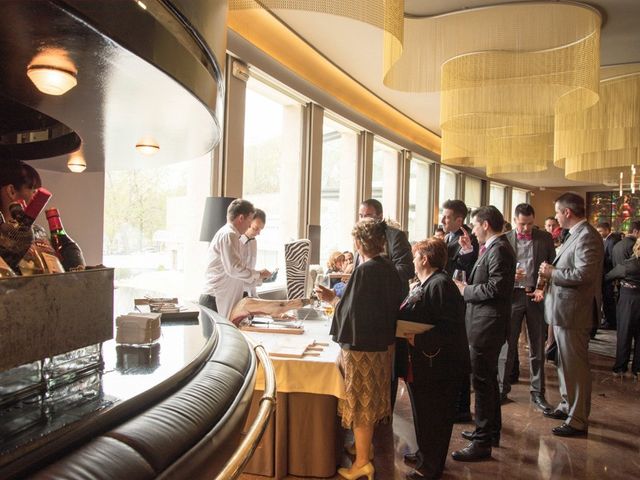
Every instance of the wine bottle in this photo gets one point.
(5, 269)
(40, 257)
(66, 249)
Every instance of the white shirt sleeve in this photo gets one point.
(232, 260)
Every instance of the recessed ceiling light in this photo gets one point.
(147, 147)
(77, 163)
(51, 80)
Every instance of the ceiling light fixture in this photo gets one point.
(77, 163)
(51, 80)
(147, 147)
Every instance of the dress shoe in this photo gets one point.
(351, 450)
(539, 401)
(504, 399)
(412, 459)
(557, 414)
(355, 473)
(472, 453)
(463, 417)
(471, 435)
(565, 430)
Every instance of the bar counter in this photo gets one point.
(136, 382)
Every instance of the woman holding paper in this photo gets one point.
(364, 325)
(438, 358)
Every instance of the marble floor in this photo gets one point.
(528, 449)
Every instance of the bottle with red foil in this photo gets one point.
(67, 250)
(26, 214)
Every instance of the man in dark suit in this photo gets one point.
(454, 213)
(398, 248)
(624, 248)
(488, 296)
(572, 305)
(610, 239)
(532, 247)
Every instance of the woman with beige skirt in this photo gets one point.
(364, 326)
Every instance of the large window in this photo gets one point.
(338, 196)
(271, 172)
(518, 196)
(384, 184)
(448, 188)
(472, 192)
(151, 228)
(496, 196)
(419, 195)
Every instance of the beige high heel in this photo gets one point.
(353, 474)
(351, 450)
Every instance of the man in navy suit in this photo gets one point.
(488, 295)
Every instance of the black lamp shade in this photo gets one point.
(214, 217)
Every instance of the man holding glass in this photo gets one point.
(532, 247)
(488, 296)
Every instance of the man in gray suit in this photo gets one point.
(572, 305)
(532, 247)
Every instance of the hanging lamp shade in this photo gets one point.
(595, 145)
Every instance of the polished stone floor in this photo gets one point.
(528, 448)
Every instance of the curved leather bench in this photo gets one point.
(190, 434)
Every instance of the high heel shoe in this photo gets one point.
(355, 473)
(351, 450)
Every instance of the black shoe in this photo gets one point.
(565, 430)
(504, 399)
(539, 401)
(462, 417)
(472, 453)
(471, 435)
(411, 459)
(557, 414)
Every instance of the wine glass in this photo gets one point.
(460, 275)
(520, 275)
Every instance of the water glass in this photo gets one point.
(460, 275)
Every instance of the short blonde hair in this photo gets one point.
(636, 248)
(371, 235)
(334, 258)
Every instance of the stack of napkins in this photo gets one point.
(138, 328)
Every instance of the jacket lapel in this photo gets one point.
(482, 258)
(565, 245)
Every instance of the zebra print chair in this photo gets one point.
(296, 255)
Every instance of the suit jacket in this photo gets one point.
(399, 252)
(456, 260)
(543, 248)
(574, 295)
(489, 294)
(609, 244)
(439, 304)
(622, 250)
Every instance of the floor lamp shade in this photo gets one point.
(214, 217)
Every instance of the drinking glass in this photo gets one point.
(520, 275)
(460, 276)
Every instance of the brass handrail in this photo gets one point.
(234, 466)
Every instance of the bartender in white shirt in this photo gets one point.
(227, 274)
(250, 248)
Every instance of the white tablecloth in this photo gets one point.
(311, 374)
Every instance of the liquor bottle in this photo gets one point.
(5, 269)
(66, 249)
(40, 257)
(541, 283)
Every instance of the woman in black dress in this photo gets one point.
(364, 325)
(438, 358)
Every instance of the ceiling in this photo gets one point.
(362, 59)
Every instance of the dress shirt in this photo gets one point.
(227, 275)
(249, 256)
(483, 248)
(573, 229)
(524, 256)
